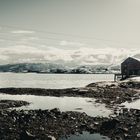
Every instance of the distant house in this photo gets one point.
(130, 67)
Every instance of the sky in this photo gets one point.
(68, 30)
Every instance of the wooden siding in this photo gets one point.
(130, 66)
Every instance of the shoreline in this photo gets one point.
(110, 93)
(53, 124)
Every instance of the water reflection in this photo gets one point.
(86, 136)
(87, 105)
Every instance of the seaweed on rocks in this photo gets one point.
(4, 104)
(53, 124)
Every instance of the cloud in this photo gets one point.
(68, 43)
(3, 57)
(22, 32)
(80, 56)
(2, 40)
(101, 56)
(30, 48)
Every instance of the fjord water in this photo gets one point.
(50, 81)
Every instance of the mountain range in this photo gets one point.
(56, 68)
(86, 60)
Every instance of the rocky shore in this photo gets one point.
(53, 124)
(110, 93)
(4, 104)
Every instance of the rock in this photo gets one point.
(78, 108)
(110, 124)
(118, 138)
(92, 128)
(138, 135)
(51, 138)
(56, 111)
(125, 129)
(25, 135)
(96, 123)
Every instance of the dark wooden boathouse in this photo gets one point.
(130, 67)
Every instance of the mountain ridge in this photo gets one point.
(54, 68)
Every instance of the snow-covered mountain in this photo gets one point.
(53, 68)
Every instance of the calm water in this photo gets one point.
(134, 105)
(53, 81)
(86, 136)
(87, 105)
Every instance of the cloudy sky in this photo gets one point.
(73, 31)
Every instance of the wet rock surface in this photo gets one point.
(53, 124)
(4, 104)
